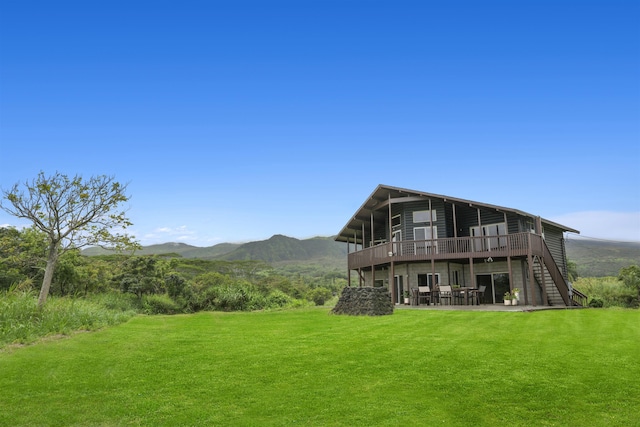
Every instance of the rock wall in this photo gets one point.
(364, 301)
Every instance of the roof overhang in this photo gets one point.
(383, 195)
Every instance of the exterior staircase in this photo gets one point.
(553, 284)
(546, 283)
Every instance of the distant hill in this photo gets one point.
(594, 258)
(182, 249)
(599, 258)
(282, 248)
(276, 249)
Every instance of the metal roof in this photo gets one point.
(383, 193)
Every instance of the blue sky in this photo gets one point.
(236, 120)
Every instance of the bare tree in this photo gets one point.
(73, 213)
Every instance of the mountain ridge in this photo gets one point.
(593, 258)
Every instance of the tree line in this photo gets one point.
(172, 283)
(69, 213)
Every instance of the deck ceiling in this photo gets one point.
(379, 200)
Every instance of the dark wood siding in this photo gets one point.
(554, 239)
(467, 217)
(449, 222)
(440, 222)
(513, 224)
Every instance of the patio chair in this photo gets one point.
(445, 293)
(478, 294)
(424, 293)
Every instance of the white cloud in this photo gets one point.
(169, 234)
(620, 226)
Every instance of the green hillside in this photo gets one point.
(182, 249)
(283, 248)
(594, 258)
(600, 258)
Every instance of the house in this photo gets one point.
(401, 239)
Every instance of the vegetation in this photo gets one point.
(598, 258)
(22, 321)
(607, 292)
(305, 367)
(70, 213)
(630, 276)
(144, 284)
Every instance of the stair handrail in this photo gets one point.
(578, 297)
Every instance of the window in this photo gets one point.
(424, 239)
(498, 229)
(454, 278)
(427, 279)
(423, 216)
(396, 237)
(395, 221)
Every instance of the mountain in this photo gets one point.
(276, 249)
(182, 249)
(599, 258)
(282, 248)
(594, 258)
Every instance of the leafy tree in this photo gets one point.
(21, 255)
(72, 212)
(630, 276)
(142, 275)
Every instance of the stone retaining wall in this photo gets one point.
(364, 301)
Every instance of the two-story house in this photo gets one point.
(402, 239)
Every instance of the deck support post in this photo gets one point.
(394, 297)
(455, 222)
(348, 252)
(531, 278)
(511, 284)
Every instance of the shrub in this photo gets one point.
(611, 291)
(233, 298)
(319, 295)
(596, 303)
(159, 304)
(277, 299)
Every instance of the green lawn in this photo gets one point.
(305, 367)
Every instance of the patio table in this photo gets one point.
(466, 290)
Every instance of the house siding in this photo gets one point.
(554, 239)
(440, 222)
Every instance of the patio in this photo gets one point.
(482, 307)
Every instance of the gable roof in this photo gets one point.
(383, 193)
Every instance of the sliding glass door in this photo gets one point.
(496, 286)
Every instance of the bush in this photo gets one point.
(277, 299)
(596, 303)
(159, 304)
(319, 295)
(611, 291)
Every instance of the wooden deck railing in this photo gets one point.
(441, 249)
(578, 298)
(520, 244)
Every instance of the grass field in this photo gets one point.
(305, 367)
